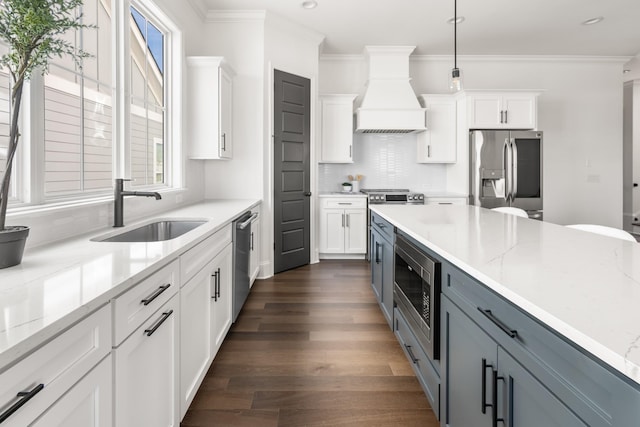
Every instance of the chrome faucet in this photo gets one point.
(118, 200)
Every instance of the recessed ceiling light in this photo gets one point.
(625, 71)
(593, 21)
(459, 20)
(309, 4)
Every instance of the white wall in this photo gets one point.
(580, 112)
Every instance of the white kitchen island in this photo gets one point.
(583, 287)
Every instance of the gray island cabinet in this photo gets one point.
(514, 349)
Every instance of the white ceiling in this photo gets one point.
(491, 27)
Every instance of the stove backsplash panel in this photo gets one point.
(386, 161)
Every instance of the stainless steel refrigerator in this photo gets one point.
(506, 170)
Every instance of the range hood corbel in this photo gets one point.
(389, 104)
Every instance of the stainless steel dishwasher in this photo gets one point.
(241, 255)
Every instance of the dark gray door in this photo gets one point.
(292, 215)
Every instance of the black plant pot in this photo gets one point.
(12, 240)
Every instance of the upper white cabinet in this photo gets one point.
(438, 143)
(336, 118)
(209, 119)
(502, 110)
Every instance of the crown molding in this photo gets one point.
(235, 16)
(199, 7)
(490, 58)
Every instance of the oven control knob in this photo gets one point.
(410, 197)
(421, 197)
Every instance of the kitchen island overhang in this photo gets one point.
(583, 286)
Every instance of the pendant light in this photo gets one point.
(455, 77)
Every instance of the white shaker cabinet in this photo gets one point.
(146, 371)
(343, 226)
(205, 307)
(209, 115)
(502, 110)
(146, 320)
(87, 404)
(438, 143)
(38, 387)
(336, 128)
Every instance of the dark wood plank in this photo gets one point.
(311, 347)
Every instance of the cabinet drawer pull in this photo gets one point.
(345, 203)
(507, 330)
(160, 321)
(24, 396)
(155, 295)
(411, 356)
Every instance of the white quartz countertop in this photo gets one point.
(58, 284)
(583, 285)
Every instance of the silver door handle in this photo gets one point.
(343, 220)
(428, 150)
(224, 142)
(506, 157)
(514, 168)
(506, 116)
(347, 215)
(246, 223)
(501, 116)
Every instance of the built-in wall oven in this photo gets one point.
(416, 293)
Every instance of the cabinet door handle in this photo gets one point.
(411, 356)
(215, 286)
(501, 116)
(428, 150)
(345, 203)
(378, 252)
(342, 220)
(507, 330)
(347, 216)
(252, 240)
(485, 366)
(494, 407)
(224, 142)
(156, 294)
(506, 116)
(219, 281)
(350, 154)
(159, 323)
(24, 396)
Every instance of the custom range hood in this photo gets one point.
(389, 104)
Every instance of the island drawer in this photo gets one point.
(136, 305)
(46, 374)
(383, 226)
(197, 257)
(427, 375)
(589, 387)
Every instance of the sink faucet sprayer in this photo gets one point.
(118, 200)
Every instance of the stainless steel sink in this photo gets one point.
(153, 232)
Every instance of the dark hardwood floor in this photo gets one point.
(311, 348)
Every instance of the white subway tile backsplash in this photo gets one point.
(386, 161)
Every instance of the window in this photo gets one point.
(81, 130)
(78, 141)
(147, 117)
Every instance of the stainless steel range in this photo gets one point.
(380, 196)
(400, 196)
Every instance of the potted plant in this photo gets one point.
(346, 186)
(31, 29)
